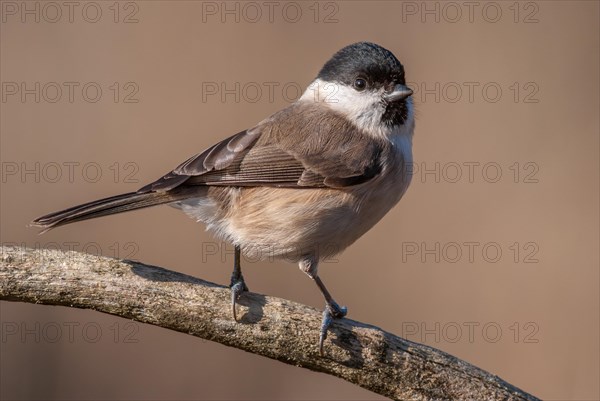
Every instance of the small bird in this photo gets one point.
(302, 184)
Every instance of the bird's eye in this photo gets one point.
(360, 84)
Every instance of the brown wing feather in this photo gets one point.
(329, 152)
(218, 156)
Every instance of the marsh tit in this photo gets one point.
(302, 184)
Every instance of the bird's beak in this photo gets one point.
(400, 92)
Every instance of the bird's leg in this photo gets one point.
(332, 309)
(237, 281)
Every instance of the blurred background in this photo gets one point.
(491, 256)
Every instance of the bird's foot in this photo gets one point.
(237, 287)
(332, 311)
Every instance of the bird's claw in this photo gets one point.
(237, 287)
(332, 311)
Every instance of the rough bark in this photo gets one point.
(272, 327)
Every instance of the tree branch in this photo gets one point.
(276, 328)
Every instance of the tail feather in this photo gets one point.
(104, 207)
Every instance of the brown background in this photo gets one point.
(547, 311)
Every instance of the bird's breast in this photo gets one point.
(292, 223)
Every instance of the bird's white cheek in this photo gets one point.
(364, 109)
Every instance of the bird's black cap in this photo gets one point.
(366, 59)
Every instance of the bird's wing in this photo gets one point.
(329, 154)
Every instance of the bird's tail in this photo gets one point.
(104, 207)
